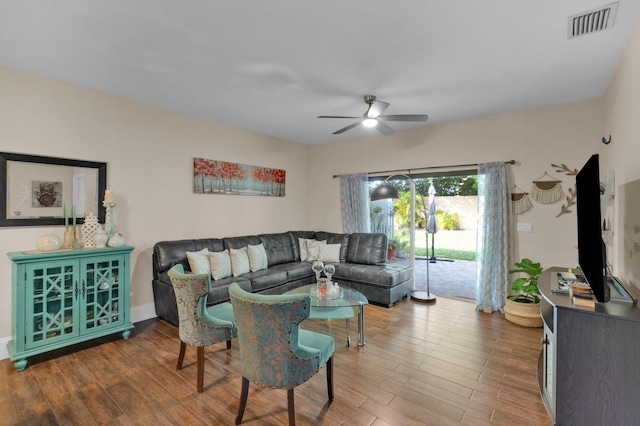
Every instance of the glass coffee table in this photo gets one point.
(340, 308)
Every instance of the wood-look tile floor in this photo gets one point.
(435, 364)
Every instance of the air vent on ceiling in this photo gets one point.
(592, 21)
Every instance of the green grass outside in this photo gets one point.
(448, 244)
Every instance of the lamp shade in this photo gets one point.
(384, 192)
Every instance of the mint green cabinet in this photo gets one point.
(66, 297)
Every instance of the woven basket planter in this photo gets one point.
(524, 314)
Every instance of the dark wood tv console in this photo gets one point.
(589, 367)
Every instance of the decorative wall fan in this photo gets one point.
(372, 117)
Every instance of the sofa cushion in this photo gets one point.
(368, 249)
(257, 257)
(267, 278)
(239, 261)
(279, 248)
(332, 238)
(220, 264)
(239, 242)
(220, 289)
(295, 270)
(388, 275)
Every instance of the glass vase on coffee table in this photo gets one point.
(329, 270)
(317, 266)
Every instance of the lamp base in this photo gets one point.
(423, 296)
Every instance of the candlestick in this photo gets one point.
(73, 215)
(66, 218)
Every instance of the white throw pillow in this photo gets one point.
(257, 257)
(329, 253)
(313, 249)
(198, 262)
(302, 242)
(239, 261)
(220, 263)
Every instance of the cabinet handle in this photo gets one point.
(545, 341)
(75, 287)
(82, 288)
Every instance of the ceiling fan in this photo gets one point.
(372, 117)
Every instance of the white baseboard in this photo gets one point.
(143, 312)
(4, 353)
(138, 313)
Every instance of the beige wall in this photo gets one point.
(149, 152)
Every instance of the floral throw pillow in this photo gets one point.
(313, 249)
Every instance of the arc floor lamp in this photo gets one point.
(385, 192)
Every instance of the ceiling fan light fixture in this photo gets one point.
(369, 122)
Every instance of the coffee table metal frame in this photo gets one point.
(327, 309)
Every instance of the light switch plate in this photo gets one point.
(525, 227)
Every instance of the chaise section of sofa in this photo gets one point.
(361, 266)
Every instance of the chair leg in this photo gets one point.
(183, 348)
(228, 344)
(243, 400)
(330, 378)
(292, 410)
(200, 368)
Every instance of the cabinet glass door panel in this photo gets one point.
(102, 294)
(51, 294)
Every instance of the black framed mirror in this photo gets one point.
(36, 189)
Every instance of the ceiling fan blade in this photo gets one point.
(349, 127)
(337, 116)
(404, 117)
(376, 108)
(384, 129)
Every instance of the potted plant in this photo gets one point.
(392, 247)
(523, 308)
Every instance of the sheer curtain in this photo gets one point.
(493, 246)
(354, 197)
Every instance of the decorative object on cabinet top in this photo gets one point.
(48, 242)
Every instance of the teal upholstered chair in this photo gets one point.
(274, 351)
(199, 325)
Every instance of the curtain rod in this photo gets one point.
(427, 168)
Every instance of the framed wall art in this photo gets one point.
(34, 189)
(223, 177)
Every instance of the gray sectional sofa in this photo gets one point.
(362, 266)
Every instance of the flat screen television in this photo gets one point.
(591, 248)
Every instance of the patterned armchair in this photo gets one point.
(198, 325)
(274, 351)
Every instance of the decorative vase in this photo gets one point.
(524, 314)
(116, 241)
(49, 242)
(100, 238)
(89, 229)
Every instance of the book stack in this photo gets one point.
(582, 295)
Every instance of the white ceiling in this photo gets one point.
(273, 66)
